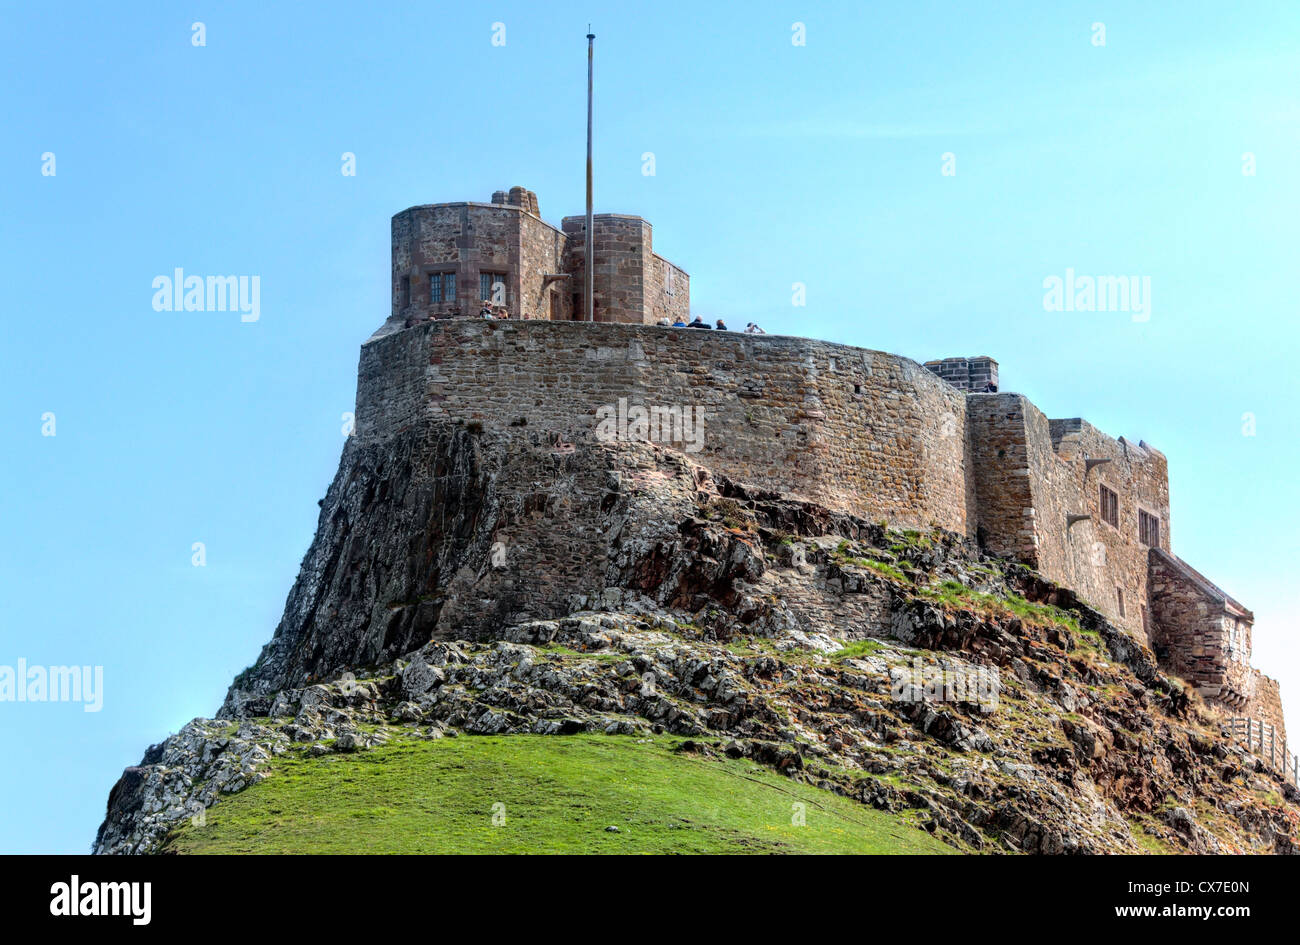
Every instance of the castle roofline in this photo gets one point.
(479, 204)
(581, 217)
(669, 261)
(1072, 427)
(1208, 587)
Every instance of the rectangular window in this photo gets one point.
(1148, 529)
(1119, 598)
(1109, 507)
(492, 287)
(404, 292)
(442, 287)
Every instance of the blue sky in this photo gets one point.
(775, 164)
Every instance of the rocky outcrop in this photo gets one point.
(467, 583)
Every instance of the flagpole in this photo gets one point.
(590, 316)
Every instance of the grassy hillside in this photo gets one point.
(559, 794)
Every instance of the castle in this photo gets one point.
(862, 431)
(454, 258)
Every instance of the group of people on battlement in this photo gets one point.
(720, 325)
(490, 311)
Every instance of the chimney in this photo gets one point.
(972, 375)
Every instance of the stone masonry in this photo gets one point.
(968, 374)
(446, 255)
(849, 428)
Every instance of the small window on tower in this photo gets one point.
(404, 292)
(1148, 529)
(1109, 507)
(492, 287)
(442, 287)
(1119, 599)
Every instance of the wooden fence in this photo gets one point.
(1260, 738)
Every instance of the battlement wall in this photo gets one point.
(623, 286)
(1266, 705)
(460, 240)
(1202, 634)
(1039, 484)
(861, 431)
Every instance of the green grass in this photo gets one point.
(955, 594)
(559, 794)
(856, 649)
(842, 555)
(888, 570)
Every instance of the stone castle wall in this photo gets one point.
(1187, 632)
(1266, 706)
(1106, 564)
(1201, 634)
(618, 245)
(1032, 475)
(852, 429)
(1000, 465)
(464, 238)
(632, 283)
(858, 430)
(668, 291)
(541, 253)
(541, 266)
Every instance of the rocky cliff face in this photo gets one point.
(463, 581)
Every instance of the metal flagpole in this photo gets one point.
(591, 311)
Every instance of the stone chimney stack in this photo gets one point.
(523, 198)
(972, 375)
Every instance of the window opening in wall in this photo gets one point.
(1109, 507)
(1148, 529)
(492, 287)
(442, 287)
(1119, 598)
(404, 292)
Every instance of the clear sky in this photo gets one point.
(775, 163)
